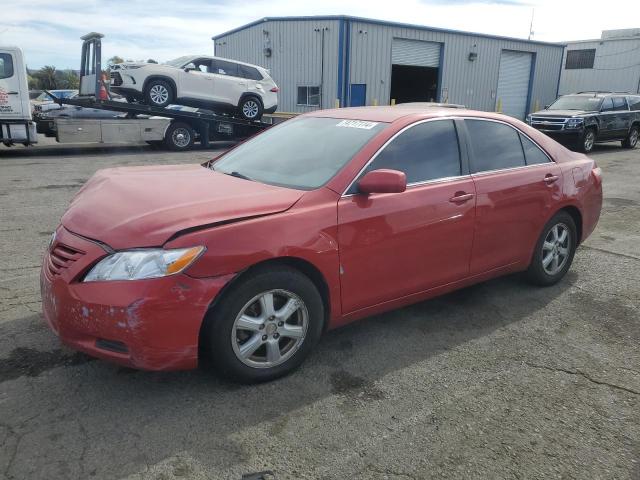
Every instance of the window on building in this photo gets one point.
(427, 151)
(619, 104)
(6, 65)
(222, 67)
(495, 146)
(532, 153)
(583, 58)
(308, 96)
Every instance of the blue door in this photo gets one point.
(358, 95)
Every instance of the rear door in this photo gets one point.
(621, 117)
(517, 186)
(229, 86)
(393, 245)
(607, 120)
(12, 86)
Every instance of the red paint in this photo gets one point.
(394, 249)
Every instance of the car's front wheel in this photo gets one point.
(251, 108)
(588, 140)
(158, 93)
(265, 326)
(554, 250)
(632, 138)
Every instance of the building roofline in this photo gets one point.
(384, 22)
(603, 40)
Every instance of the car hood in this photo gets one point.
(561, 113)
(145, 206)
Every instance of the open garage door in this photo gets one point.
(513, 82)
(414, 70)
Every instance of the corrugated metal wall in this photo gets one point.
(616, 67)
(296, 60)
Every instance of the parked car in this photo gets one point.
(580, 120)
(44, 103)
(199, 81)
(46, 121)
(248, 258)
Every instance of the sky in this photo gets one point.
(49, 31)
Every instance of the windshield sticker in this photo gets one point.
(357, 124)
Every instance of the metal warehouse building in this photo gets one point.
(321, 61)
(611, 63)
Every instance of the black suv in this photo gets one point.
(581, 119)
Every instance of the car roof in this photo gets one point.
(392, 113)
(227, 60)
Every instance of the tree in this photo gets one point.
(115, 60)
(46, 78)
(151, 60)
(67, 79)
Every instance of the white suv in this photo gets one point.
(199, 81)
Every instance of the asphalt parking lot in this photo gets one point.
(500, 380)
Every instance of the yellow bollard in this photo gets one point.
(499, 106)
(393, 101)
(536, 107)
(337, 103)
(375, 102)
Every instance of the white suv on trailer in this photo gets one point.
(199, 81)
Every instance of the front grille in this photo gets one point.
(548, 123)
(547, 126)
(62, 257)
(116, 79)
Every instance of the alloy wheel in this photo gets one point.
(556, 249)
(589, 140)
(181, 137)
(250, 109)
(269, 329)
(633, 138)
(159, 94)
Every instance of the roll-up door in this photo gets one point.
(415, 52)
(513, 82)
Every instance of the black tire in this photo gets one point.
(158, 93)
(587, 140)
(219, 335)
(130, 99)
(251, 108)
(179, 137)
(537, 273)
(632, 138)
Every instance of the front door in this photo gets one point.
(517, 185)
(393, 245)
(11, 86)
(198, 81)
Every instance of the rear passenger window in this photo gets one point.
(222, 67)
(532, 153)
(427, 151)
(495, 146)
(619, 103)
(249, 72)
(634, 103)
(6, 65)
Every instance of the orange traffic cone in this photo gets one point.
(103, 94)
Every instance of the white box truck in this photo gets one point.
(16, 124)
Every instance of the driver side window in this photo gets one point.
(607, 105)
(426, 151)
(203, 65)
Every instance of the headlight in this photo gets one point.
(131, 67)
(574, 123)
(143, 263)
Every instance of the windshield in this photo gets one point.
(180, 61)
(576, 102)
(303, 153)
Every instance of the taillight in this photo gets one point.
(275, 90)
(597, 175)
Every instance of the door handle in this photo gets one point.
(549, 179)
(12, 93)
(461, 197)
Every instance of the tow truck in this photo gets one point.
(178, 128)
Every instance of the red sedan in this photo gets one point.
(317, 222)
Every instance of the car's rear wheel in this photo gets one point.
(179, 137)
(554, 250)
(158, 93)
(588, 140)
(251, 108)
(264, 327)
(632, 139)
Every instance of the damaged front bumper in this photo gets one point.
(149, 324)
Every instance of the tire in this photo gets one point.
(158, 93)
(587, 140)
(545, 275)
(632, 139)
(179, 137)
(250, 108)
(239, 351)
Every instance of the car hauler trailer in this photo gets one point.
(176, 127)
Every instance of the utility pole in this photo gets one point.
(533, 10)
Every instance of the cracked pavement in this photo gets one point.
(501, 380)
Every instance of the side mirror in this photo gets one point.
(188, 67)
(383, 181)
